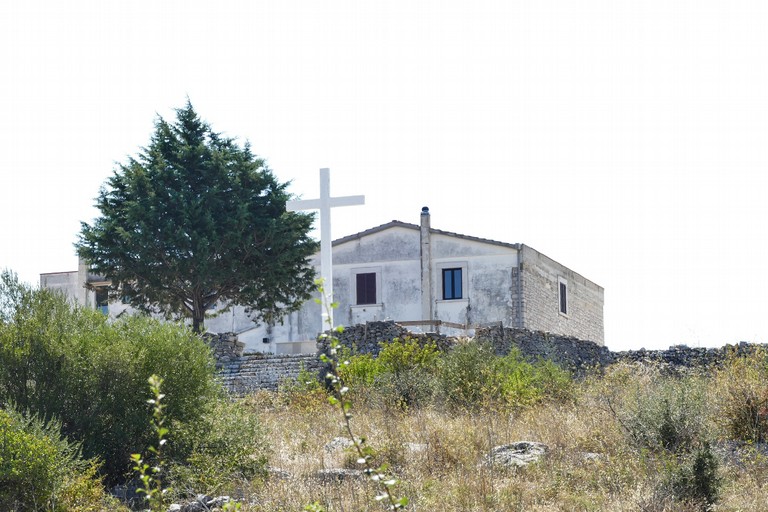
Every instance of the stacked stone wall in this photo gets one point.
(265, 371)
(246, 373)
(225, 346)
(566, 351)
(367, 338)
(580, 355)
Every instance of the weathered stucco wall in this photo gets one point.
(62, 282)
(408, 261)
(540, 305)
(393, 255)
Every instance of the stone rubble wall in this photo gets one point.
(225, 346)
(244, 373)
(367, 338)
(266, 371)
(567, 351)
(580, 355)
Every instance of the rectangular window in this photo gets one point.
(102, 299)
(563, 297)
(366, 288)
(451, 283)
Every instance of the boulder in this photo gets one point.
(515, 455)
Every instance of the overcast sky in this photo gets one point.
(624, 139)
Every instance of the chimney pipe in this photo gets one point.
(426, 265)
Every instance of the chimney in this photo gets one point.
(426, 265)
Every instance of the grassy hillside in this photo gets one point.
(632, 439)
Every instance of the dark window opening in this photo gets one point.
(452, 283)
(102, 299)
(563, 298)
(366, 288)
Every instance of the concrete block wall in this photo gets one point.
(540, 305)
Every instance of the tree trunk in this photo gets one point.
(197, 323)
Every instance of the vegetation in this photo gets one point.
(73, 373)
(41, 470)
(469, 377)
(70, 363)
(196, 219)
(632, 437)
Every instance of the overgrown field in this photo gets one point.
(73, 408)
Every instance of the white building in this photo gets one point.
(428, 278)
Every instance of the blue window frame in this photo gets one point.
(452, 284)
(102, 299)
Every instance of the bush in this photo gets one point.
(696, 481)
(220, 453)
(401, 374)
(472, 376)
(62, 361)
(361, 370)
(666, 419)
(465, 375)
(742, 397)
(519, 383)
(661, 412)
(40, 470)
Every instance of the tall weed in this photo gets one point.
(741, 391)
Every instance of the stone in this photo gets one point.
(587, 457)
(278, 473)
(515, 455)
(338, 443)
(416, 447)
(339, 474)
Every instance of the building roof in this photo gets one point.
(407, 225)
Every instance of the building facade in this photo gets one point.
(412, 273)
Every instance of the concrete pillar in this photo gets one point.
(426, 266)
(81, 292)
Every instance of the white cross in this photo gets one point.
(324, 204)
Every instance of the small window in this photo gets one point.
(452, 283)
(563, 293)
(366, 288)
(102, 299)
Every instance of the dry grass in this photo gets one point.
(592, 465)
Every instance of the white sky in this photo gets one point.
(625, 139)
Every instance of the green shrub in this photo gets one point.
(465, 374)
(695, 479)
(516, 382)
(71, 363)
(663, 412)
(401, 375)
(362, 370)
(407, 354)
(742, 397)
(40, 470)
(221, 452)
(472, 376)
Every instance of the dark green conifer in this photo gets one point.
(196, 219)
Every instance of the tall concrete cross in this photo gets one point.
(324, 204)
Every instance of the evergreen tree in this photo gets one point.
(196, 219)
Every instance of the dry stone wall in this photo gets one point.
(367, 338)
(263, 371)
(580, 355)
(243, 373)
